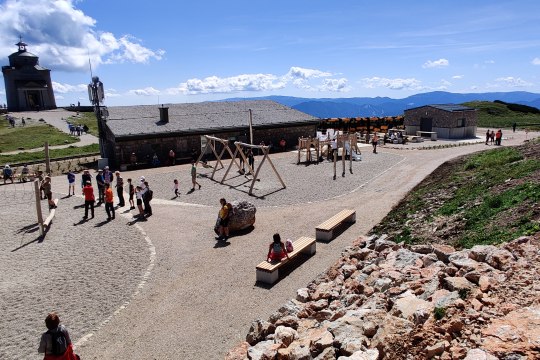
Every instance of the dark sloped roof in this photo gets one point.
(126, 121)
(446, 107)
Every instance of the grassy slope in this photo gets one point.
(26, 156)
(484, 198)
(31, 136)
(495, 115)
(88, 119)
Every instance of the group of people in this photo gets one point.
(494, 137)
(105, 180)
(77, 129)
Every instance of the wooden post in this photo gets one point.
(250, 127)
(38, 207)
(47, 159)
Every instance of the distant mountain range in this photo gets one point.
(385, 106)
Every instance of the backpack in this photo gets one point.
(230, 208)
(149, 195)
(59, 342)
(289, 245)
(7, 172)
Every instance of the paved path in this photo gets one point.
(201, 299)
(188, 299)
(56, 118)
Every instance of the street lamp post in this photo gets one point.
(96, 96)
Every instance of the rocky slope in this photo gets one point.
(383, 300)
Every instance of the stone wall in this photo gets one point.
(447, 124)
(183, 145)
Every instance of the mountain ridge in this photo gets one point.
(385, 106)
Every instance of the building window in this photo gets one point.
(461, 122)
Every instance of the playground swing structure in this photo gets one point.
(347, 142)
(239, 146)
(309, 144)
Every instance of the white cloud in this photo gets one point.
(535, 61)
(445, 83)
(67, 88)
(296, 76)
(436, 64)
(457, 77)
(489, 62)
(296, 72)
(393, 84)
(148, 91)
(334, 85)
(511, 81)
(64, 37)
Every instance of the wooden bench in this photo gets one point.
(325, 231)
(52, 211)
(268, 272)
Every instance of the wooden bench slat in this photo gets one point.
(298, 246)
(335, 220)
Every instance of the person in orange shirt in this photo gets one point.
(109, 199)
(89, 199)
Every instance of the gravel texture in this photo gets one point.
(200, 296)
(82, 270)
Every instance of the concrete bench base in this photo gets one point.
(268, 272)
(325, 231)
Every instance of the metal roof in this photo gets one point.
(129, 121)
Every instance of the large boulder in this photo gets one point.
(242, 216)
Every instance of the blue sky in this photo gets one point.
(147, 52)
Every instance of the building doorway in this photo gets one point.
(426, 124)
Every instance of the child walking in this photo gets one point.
(131, 190)
(175, 187)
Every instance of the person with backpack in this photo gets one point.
(8, 174)
(277, 250)
(223, 219)
(147, 196)
(55, 343)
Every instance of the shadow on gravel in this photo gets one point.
(286, 269)
(221, 244)
(101, 223)
(78, 206)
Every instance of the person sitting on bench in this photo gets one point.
(276, 250)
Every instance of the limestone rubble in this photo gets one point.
(383, 300)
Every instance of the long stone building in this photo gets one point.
(149, 129)
(449, 121)
(28, 84)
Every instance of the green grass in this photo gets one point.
(26, 156)
(31, 136)
(495, 115)
(88, 119)
(491, 197)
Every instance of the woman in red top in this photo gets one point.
(276, 250)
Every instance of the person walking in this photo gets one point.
(492, 136)
(8, 174)
(89, 199)
(488, 136)
(120, 189)
(131, 190)
(374, 142)
(514, 125)
(71, 183)
(194, 176)
(175, 187)
(109, 202)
